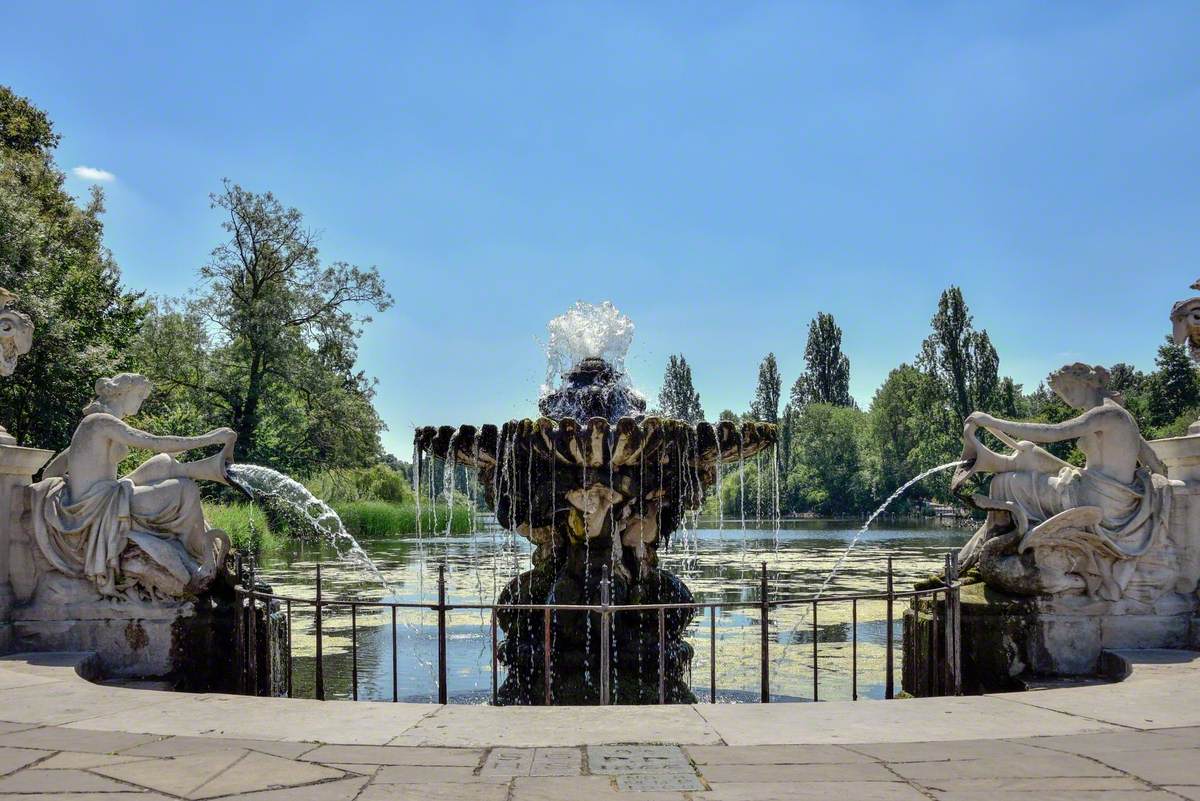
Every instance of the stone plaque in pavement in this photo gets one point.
(628, 759)
(650, 782)
(557, 762)
(508, 762)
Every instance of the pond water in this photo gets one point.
(719, 564)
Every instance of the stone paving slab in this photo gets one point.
(67, 760)
(814, 791)
(1148, 699)
(1048, 765)
(134, 795)
(272, 749)
(58, 738)
(36, 780)
(422, 774)
(951, 749)
(160, 746)
(393, 755)
(773, 755)
(625, 759)
(13, 759)
(927, 719)
(528, 727)
(365, 723)
(63, 702)
(726, 774)
(1169, 766)
(341, 790)
(436, 792)
(1061, 795)
(1192, 792)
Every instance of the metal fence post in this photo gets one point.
(954, 628)
(605, 675)
(854, 649)
(712, 654)
(547, 662)
(395, 676)
(354, 652)
(890, 683)
(816, 685)
(318, 664)
(253, 646)
(289, 648)
(441, 615)
(765, 648)
(495, 669)
(662, 655)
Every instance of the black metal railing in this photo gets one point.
(255, 608)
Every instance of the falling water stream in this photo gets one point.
(288, 496)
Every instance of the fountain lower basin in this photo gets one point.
(597, 499)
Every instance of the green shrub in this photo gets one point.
(376, 483)
(245, 523)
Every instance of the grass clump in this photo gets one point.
(245, 523)
(380, 518)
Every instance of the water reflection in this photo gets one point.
(721, 565)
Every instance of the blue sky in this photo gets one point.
(720, 171)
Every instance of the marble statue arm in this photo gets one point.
(57, 466)
(136, 438)
(1149, 458)
(1039, 432)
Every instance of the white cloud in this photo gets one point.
(93, 174)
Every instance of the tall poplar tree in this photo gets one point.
(678, 398)
(960, 357)
(766, 394)
(826, 378)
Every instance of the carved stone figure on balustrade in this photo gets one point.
(1054, 528)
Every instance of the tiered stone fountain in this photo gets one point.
(597, 498)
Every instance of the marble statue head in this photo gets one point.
(1082, 386)
(1185, 325)
(121, 396)
(16, 333)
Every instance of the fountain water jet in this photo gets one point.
(284, 494)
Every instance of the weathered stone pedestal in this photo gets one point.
(17, 467)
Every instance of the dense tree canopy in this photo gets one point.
(52, 254)
(268, 346)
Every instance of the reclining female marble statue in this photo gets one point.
(1055, 528)
(138, 537)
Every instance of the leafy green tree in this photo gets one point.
(826, 378)
(1173, 390)
(52, 254)
(962, 358)
(766, 395)
(678, 398)
(730, 415)
(826, 474)
(910, 430)
(1010, 401)
(787, 432)
(270, 343)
